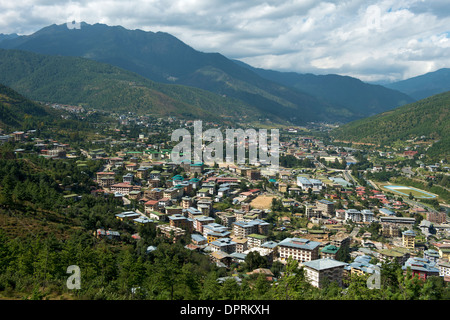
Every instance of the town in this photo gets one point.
(328, 207)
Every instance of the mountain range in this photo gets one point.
(73, 80)
(425, 85)
(164, 59)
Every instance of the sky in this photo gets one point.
(373, 40)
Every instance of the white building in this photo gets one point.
(353, 215)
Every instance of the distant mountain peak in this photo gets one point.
(424, 85)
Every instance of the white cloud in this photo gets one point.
(372, 40)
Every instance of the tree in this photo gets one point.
(254, 260)
(292, 285)
(210, 288)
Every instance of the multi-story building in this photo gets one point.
(330, 251)
(353, 215)
(340, 239)
(256, 240)
(223, 244)
(299, 249)
(327, 207)
(123, 188)
(243, 228)
(431, 255)
(444, 269)
(399, 221)
(192, 212)
(186, 202)
(154, 194)
(171, 232)
(437, 217)
(128, 178)
(173, 193)
(241, 244)
(396, 254)
(105, 179)
(361, 265)
(367, 215)
(317, 271)
(180, 221)
(254, 174)
(151, 205)
(227, 218)
(313, 212)
(408, 239)
(200, 221)
(214, 231)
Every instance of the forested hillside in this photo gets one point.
(428, 117)
(16, 111)
(71, 80)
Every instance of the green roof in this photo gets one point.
(257, 236)
(330, 249)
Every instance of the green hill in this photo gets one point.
(73, 80)
(429, 117)
(15, 109)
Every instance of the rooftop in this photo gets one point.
(323, 264)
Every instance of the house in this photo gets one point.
(316, 271)
(109, 234)
(268, 274)
(128, 215)
(223, 244)
(171, 232)
(361, 265)
(221, 259)
(198, 239)
(123, 188)
(180, 221)
(214, 231)
(128, 178)
(421, 267)
(151, 205)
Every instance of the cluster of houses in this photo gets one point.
(184, 204)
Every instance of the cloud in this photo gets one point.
(372, 40)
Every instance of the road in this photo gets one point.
(349, 177)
